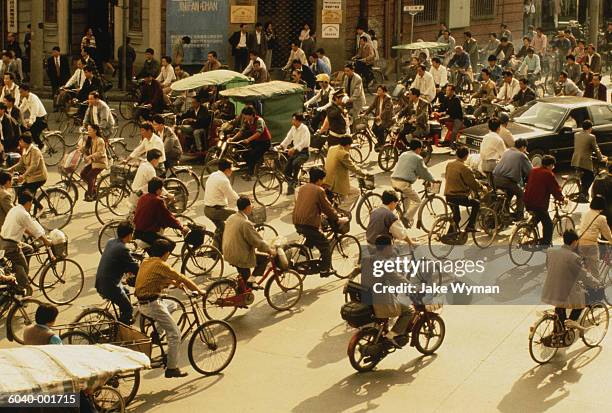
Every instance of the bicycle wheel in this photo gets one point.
(365, 144)
(284, 290)
(53, 149)
(62, 281)
(212, 347)
(75, 337)
(427, 151)
(175, 235)
(523, 244)
(267, 188)
(108, 400)
(356, 155)
(126, 383)
(365, 207)
(70, 187)
(71, 133)
(607, 277)
(487, 226)
(430, 331)
(56, 208)
(20, 316)
(595, 319)
(191, 181)
(360, 359)
(97, 323)
(387, 157)
(563, 223)
(442, 231)
(540, 340)
(217, 304)
(126, 109)
(297, 254)
(108, 232)
(120, 150)
(571, 191)
(431, 209)
(180, 195)
(266, 231)
(346, 255)
(112, 204)
(205, 260)
(130, 132)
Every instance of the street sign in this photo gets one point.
(414, 9)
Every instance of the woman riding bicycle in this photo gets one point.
(593, 226)
(93, 148)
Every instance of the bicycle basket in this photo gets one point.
(195, 237)
(357, 314)
(434, 187)
(60, 250)
(368, 182)
(119, 174)
(258, 215)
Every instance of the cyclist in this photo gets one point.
(32, 167)
(504, 132)
(495, 69)
(172, 146)
(200, 119)
(460, 182)
(337, 121)
(384, 222)
(409, 168)
(299, 137)
(354, 87)
(152, 216)
(40, 333)
(509, 88)
(486, 94)
(154, 276)
(149, 141)
(541, 184)
(531, 62)
(417, 111)
(511, 171)
(18, 222)
(256, 134)
(524, 95)
(310, 203)
(323, 98)
(451, 109)
(116, 261)
(98, 113)
(6, 195)
(566, 87)
(593, 226)
(338, 164)
(564, 270)
(93, 148)
(30, 104)
(572, 68)
(382, 106)
(145, 172)
(240, 240)
(585, 144)
(218, 194)
(492, 147)
(507, 48)
(151, 95)
(460, 64)
(364, 60)
(424, 81)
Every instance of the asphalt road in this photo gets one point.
(296, 361)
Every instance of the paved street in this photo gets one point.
(296, 361)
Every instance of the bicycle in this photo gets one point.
(548, 334)
(446, 232)
(461, 80)
(187, 176)
(396, 145)
(572, 185)
(345, 251)
(54, 147)
(283, 290)
(20, 311)
(53, 207)
(525, 239)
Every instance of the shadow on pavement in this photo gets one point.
(332, 347)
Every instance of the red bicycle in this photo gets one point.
(283, 289)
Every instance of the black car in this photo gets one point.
(549, 124)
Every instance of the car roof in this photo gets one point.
(571, 102)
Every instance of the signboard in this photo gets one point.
(330, 31)
(414, 9)
(332, 5)
(331, 16)
(11, 16)
(243, 14)
(205, 22)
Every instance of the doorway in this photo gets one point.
(100, 17)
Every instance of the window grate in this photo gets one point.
(431, 13)
(483, 9)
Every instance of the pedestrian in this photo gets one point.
(585, 144)
(271, 43)
(240, 41)
(130, 58)
(258, 42)
(178, 50)
(58, 71)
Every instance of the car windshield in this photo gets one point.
(540, 115)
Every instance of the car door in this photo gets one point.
(564, 145)
(601, 115)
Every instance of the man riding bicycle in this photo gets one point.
(310, 203)
(511, 172)
(384, 222)
(460, 182)
(154, 276)
(149, 141)
(531, 62)
(299, 137)
(116, 261)
(255, 133)
(218, 194)
(98, 113)
(460, 66)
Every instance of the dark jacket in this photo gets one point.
(90, 85)
(308, 77)
(235, 39)
(8, 125)
(152, 94)
(151, 67)
(601, 93)
(387, 110)
(523, 97)
(64, 74)
(452, 107)
(262, 48)
(202, 119)
(116, 260)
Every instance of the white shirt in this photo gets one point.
(426, 85)
(509, 90)
(19, 221)
(33, 106)
(166, 75)
(326, 60)
(492, 147)
(219, 191)
(94, 114)
(317, 97)
(14, 91)
(242, 42)
(146, 145)
(258, 37)
(297, 55)
(248, 69)
(299, 136)
(144, 174)
(76, 80)
(440, 75)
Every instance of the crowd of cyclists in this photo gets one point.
(439, 87)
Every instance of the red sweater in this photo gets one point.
(541, 184)
(151, 215)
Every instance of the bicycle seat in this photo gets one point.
(181, 168)
(50, 132)
(141, 244)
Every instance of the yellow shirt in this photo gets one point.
(154, 276)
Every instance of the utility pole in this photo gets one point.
(594, 8)
(123, 74)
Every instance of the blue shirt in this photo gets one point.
(410, 166)
(54, 338)
(116, 261)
